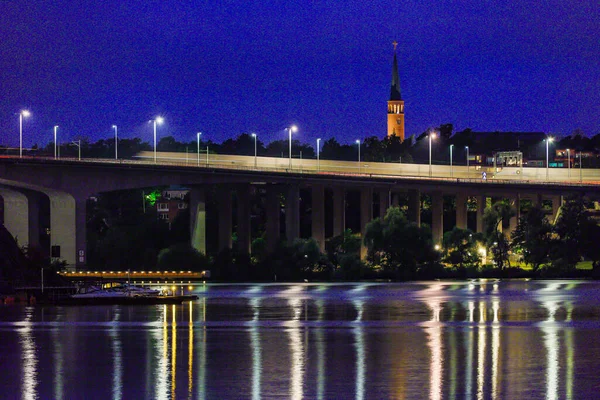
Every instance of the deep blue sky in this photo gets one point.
(227, 67)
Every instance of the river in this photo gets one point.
(436, 340)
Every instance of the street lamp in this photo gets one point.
(548, 140)
(78, 144)
(580, 170)
(23, 113)
(198, 145)
(291, 129)
(116, 141)
(55, 129)
(431, 136)
(467, 148)
(569, 161)
(318, 151)
(156, 121)
(451, 146)
(358, 143)
(254, 136)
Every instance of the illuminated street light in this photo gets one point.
(291, 129)
(116, 142)
(467, 148)
(198, 143)
(548, 141)
(254, 136)
(451, 146)
(78, 144)
(569, 161)
(22, 114)
(156, 121)
(318, 151)
(358, 143)
(431, 136)
(55, 131)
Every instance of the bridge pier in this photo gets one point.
(461, 210)
(339, 210)
(224, 211)
(292, 213)
(437, 217)
(16, 215)
(198, 219)
(244, 238)
(481, 203)
(366, 216)
(414, 206)
(384, 202)
(318, 215)
(273, 217)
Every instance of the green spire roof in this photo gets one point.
(395, 90)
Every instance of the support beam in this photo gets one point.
(81, 231)
(366, 216)
(198, 219)
(292, 213)
(273, 217)
(437, 217)
(33, 200)
(556, 204)
(224, 210)
(339, 211)
(318, 215)
(480, 212)
(63, 225)
(244, 238)
(461, 210)
(414, 206)
(514, 220)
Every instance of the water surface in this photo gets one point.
(478, 340)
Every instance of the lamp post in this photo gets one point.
(431, 136)
(198, 145)
(116, 142)
(358, 143)
(467, 148)
(451, 146)
(548, 140)
(318, 156)
(55, 131)
(22, 114)
(291, 129)
(255, 153)
(156, 121)
(78, 144)
(569, 161)
(580, 170)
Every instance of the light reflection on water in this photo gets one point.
(419, 340)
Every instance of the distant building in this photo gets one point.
(395, 106)
(171, 202)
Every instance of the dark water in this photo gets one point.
(482, 340)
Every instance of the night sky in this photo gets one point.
(228, 67)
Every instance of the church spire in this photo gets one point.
(395, 90)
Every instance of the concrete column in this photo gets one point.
(224, 210)
(63, 225)
(414, 206)
(273, 218)
(480, 212)
(537, 199)
(556, 204)
(395, 200)
(16, 215)
(33, 199)
(244, 235)
(366, 216)
(318, 215)
(384, 202)
(198, 219)
(339, 211)
(437, 217)
(461, 210)
(514, 220)
(292, 213)
(81, 231)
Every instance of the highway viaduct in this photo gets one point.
(68, 184)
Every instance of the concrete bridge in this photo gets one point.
(68, 183)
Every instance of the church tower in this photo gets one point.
(395, 122)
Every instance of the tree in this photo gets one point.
(400, 246)
(495, 239)
(182, 256)
(532, 238)
(343, 251)
(460, 248)
(569, 227)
